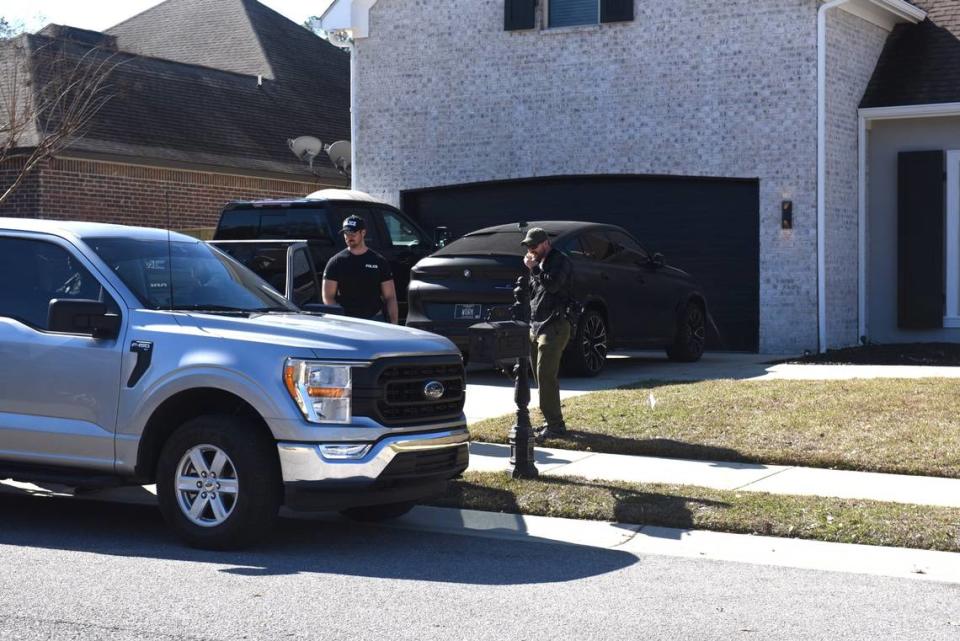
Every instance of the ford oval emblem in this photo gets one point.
(467, 273)
(433, 391)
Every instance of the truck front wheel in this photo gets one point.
(218, 482)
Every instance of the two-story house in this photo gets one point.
(758, 145)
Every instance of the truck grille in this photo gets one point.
(446, 462)
(392, 391)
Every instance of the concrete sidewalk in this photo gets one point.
(925, 565)
(746, 477)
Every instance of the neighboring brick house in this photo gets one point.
(698, 125)
(206, 95)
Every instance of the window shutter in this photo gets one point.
(519, 14)
(920, 219)
(616, 10)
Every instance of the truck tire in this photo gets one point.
(374, 513)
(219, 483)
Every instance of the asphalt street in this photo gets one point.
(87, 570)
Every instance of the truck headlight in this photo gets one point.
(321, 390)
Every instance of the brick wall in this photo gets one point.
(72, 189)
(723, 88)
(25, 199)
(853, 48)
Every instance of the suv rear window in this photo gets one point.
(284, 223)
(505, 243)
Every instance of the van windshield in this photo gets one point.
(187, 276)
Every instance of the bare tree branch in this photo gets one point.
(51, 90)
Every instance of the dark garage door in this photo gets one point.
(708, 227)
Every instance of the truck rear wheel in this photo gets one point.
(218, 482)
(373, 513)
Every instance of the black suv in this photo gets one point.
(631, 297)
(316, 220)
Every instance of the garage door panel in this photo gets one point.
(708, 227)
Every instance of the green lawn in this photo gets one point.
(825, 519)
(907, 426)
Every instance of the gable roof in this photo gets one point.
(186, 99)
(920, 63)
(218, 34)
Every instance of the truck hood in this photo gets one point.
(328, 336)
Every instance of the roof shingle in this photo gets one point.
(920, 63)
(187, 89)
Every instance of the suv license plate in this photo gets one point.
(467, 312)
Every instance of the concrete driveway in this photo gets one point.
(490, 394)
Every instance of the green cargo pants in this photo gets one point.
(545, 352)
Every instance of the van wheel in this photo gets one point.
(374, 513)
(691, 335)
(218, 482)
(587, 352)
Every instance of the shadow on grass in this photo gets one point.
(587, 500)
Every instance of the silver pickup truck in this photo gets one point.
(131, 356)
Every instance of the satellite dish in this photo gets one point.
(305, 148)
(340, 155)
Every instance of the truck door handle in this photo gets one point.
(603, 276)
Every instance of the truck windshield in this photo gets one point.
(186, 275)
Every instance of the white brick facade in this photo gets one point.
(690, 87)
(853, 47)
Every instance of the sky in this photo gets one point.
(102, 14)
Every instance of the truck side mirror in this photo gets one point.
(81, 316)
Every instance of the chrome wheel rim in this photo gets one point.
(594, 343)
(207, 486)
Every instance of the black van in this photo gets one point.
(315, 221)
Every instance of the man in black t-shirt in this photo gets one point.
(359, 278)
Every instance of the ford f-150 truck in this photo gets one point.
(137, 356)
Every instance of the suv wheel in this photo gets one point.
(218, 482)
(587, 353)
(373, 513)
(691, 334)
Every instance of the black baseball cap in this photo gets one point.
(352, 224)
(534, 237)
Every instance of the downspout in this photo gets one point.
(822, 170)
(353, 116)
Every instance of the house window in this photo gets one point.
(522, 14)
(568, 13)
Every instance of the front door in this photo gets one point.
(58, 392)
